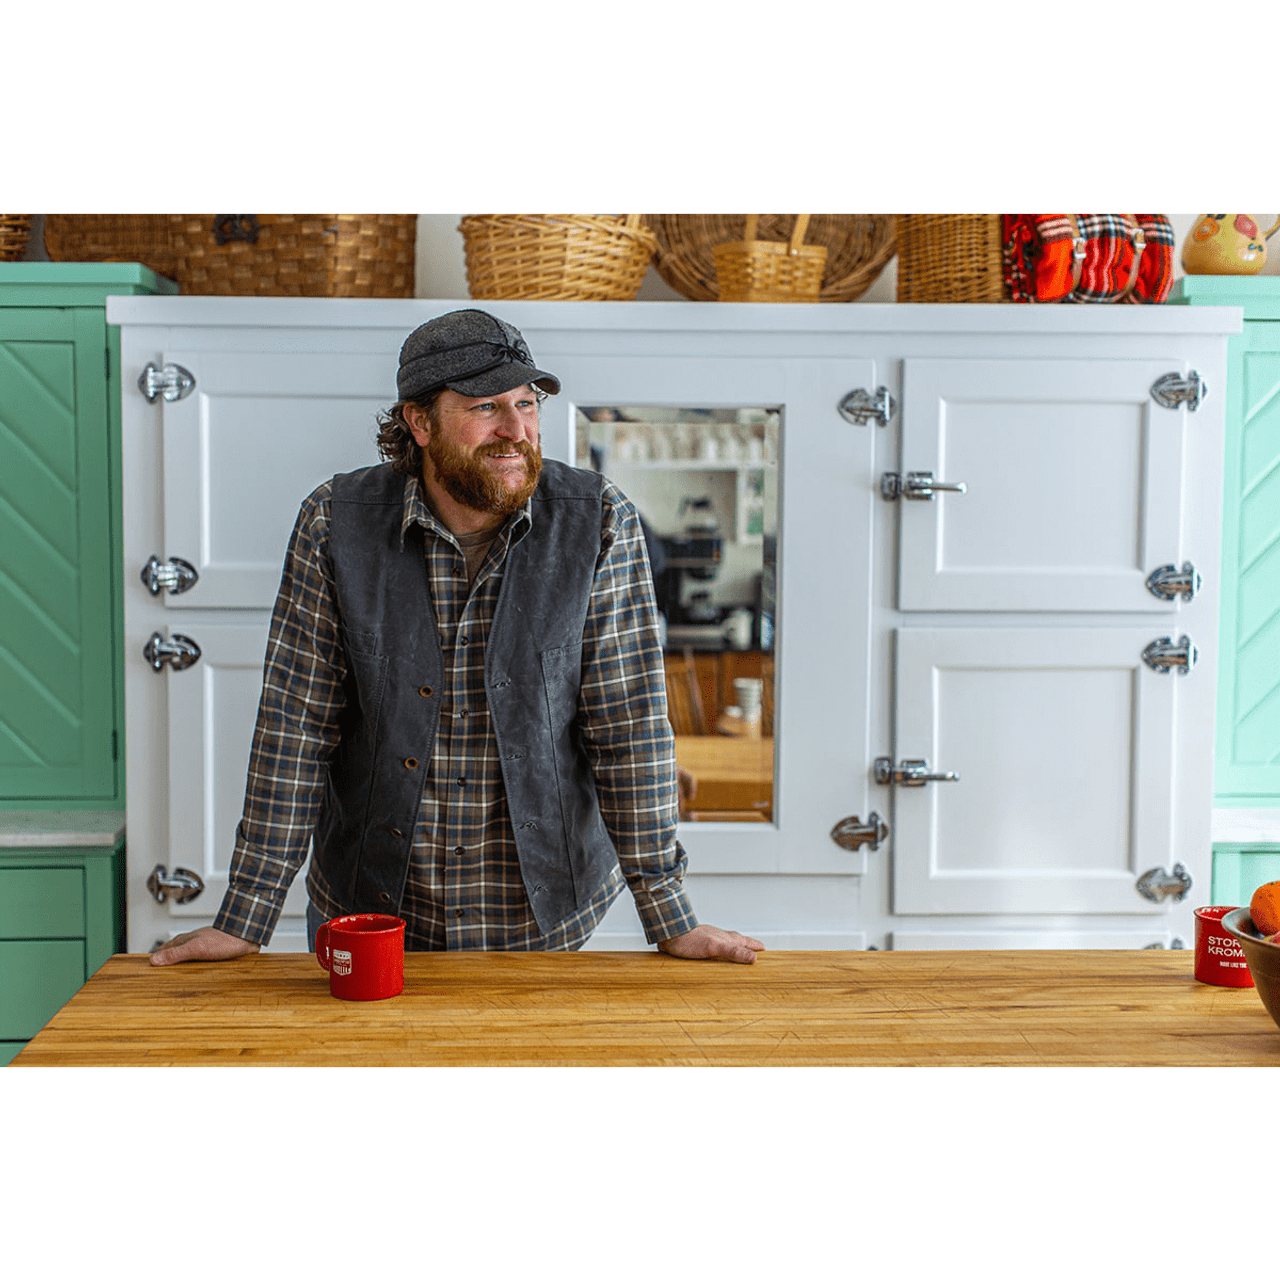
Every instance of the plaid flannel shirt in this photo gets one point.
(464, 888)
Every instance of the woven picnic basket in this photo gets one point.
(950, 257)
(582, 257)
(307, 255)
(15, 234)
(110, 237)
(858, 248)
(752, 270)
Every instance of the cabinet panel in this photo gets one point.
(56, 605)
(1064, 743)
(36, 980)
(1073, 480)
(41, 902)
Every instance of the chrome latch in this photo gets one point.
(851, 833)
(1176, 945)
(918, 485)
(1169, 581)
(183, 885)
(861, 407)
(175, 577)
(180, 652)
(1173, 389)
(1164, 656)
(1158, 884)
(173, 382)
(910, 773)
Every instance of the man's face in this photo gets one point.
(483, 452)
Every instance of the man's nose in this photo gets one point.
(510, 423)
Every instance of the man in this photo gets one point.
(463, 703)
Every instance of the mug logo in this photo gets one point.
(342, 963)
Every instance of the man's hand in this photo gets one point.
(706, 942)
(202, 944)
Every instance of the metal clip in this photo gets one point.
(183, 885)
(1164, 656)
(1173, 389)
(180, 652)
(1168, 581)
(910, 773)
(851, 833)
(175, 577)
(860, 407)
(1158, 884)
(173, 382)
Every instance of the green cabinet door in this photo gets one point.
(57, 606)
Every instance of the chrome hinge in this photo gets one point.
(1158, 884)
(1173, 389)
(910, 773)
(852, 833)
(180, 652)
(183, 885)
(173, 382)
(918, 485)
(175, 577)
(1164, 656)
(861, 407)
(1169, 581)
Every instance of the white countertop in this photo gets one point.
(60, 828)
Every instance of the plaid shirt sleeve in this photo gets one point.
(297, 729)
(623, 710)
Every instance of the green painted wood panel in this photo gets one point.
(36, 979)
(42, 902)
(57, 574)
(1238, 869)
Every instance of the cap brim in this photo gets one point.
(506, 377)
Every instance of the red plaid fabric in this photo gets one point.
(1040, 259)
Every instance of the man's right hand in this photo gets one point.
(202, 944)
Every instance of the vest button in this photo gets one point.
(411, 763)
(397, 833)
(384, 897)
(426, 691)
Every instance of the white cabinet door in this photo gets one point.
(1073, 480)
(1064, 742)
(257, 434)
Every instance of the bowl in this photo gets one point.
(1263, 958)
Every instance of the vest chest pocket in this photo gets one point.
(562, 678)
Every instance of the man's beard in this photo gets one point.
(466, 479)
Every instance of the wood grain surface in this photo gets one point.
(644, 1009)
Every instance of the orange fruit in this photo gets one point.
(1264, 908)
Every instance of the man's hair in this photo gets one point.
(395, 440)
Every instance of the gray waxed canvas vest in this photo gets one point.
(533, 661)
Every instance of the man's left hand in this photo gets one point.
(706, 942)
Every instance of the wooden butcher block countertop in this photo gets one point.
(638, 1009)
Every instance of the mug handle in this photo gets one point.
(322, 945)
(1266, 235)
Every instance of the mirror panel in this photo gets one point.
(705, 483)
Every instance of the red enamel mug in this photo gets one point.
(364, 956)
(1219, 957)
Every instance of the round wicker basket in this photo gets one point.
(15, 234)
(110, 237)
(581, 257)
(950, 257)
(858, 248)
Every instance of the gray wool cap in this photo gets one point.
(470, 352)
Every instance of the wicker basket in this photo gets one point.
(583, 257)
(110, 237)
(858, 248)
(751, 270)
(950, 257)
(295, 255)
(15, 233)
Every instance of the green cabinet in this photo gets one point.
(62, 785)
(1247, 752)
(61, 911)
(61, 606)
